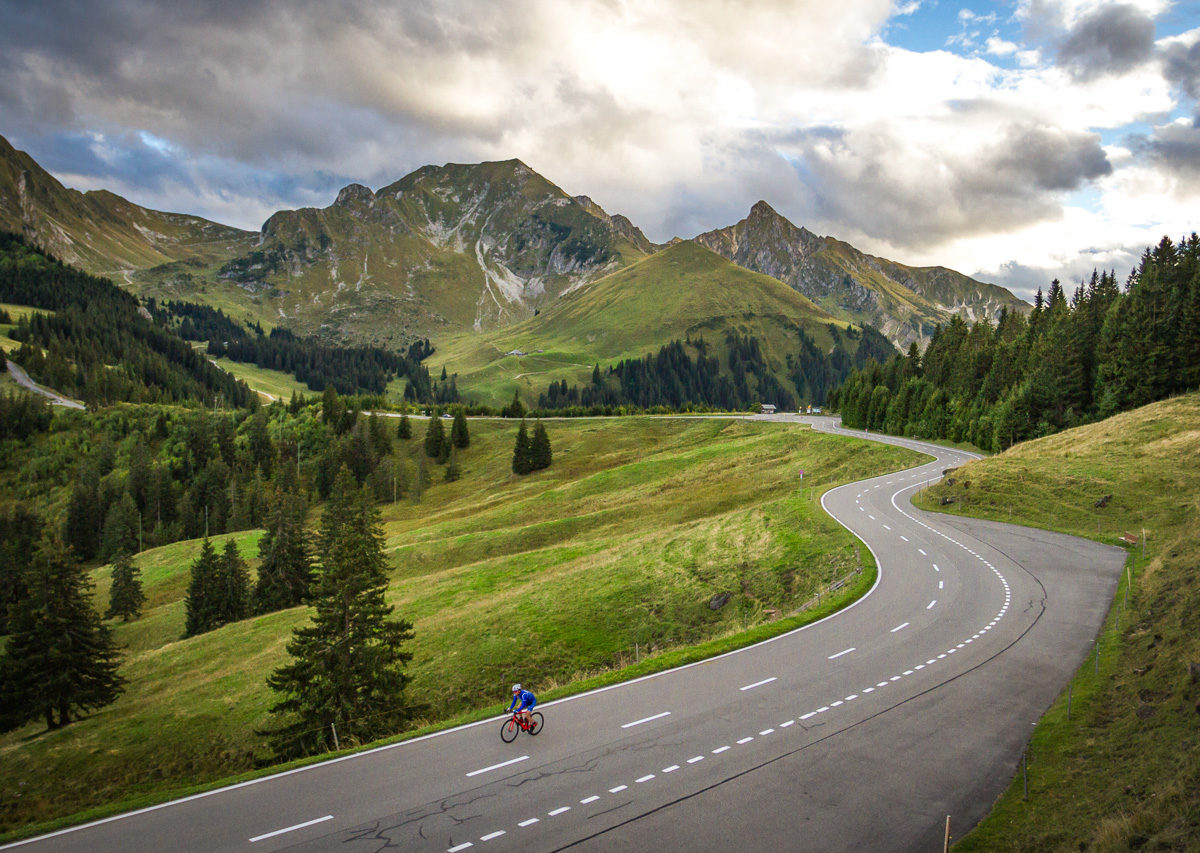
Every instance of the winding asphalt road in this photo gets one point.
(859, 732)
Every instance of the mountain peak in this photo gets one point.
(354, 195)
(762, 209)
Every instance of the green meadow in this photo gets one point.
(1123, 771)
(601, 567)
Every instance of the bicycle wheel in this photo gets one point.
(508, 730)
(535, 720)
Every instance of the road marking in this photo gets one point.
(695, 758)
(907, 672)
(617, 789)
(905, 538)
(895, 678)
(929, 606)
(809, 714)
(788, 723)
(765, 732)
(745, 740)
(497, 766)
(882, 684)
(645, 778)
(870, 516)
(491, 835)
(646, 720)
(758, 683)
(935, 568)
(842, 652)
(822, 709)
(851, 697)
(899, 627)
(559, 811)
(868, 690)
(458, 847)
(529, 822)
(835, 704)
(291, 828)
(921, 551)
(671, 769)
(587, 800)
(886, 527)
(940, 584)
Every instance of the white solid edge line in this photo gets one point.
(291, 828)
(497, 766)
(646, 720)
(355, 755)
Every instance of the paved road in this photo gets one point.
(862, 731)
(23, 379)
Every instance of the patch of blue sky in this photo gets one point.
(960, 27)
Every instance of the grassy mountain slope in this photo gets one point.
(632, 512)
(685, 290)
(100, 232)
(905, 303)
(1124, 772)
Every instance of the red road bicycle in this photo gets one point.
(514, 724)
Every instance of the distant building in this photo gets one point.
(767, 409)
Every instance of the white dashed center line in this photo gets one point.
(497, 766)
(529, 822)
(758, 683)
(559, 811)
(646, 720)
(898, 627)
(307, 823)
(587, 800)
(842, 652)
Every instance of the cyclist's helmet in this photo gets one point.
(516, 688)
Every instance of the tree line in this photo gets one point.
(318, 364)
(1073, 360)
(97, 346)
(675, 379)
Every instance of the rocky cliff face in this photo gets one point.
(459, 245)
(905, 303)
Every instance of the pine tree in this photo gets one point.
(539, 448)
(232, 585)
(521, 463)
(404, 428)
(201, 601)
(459, 436)
(60, 660)
(84, 521)
(125, 597)
(285, 573)
(435, 437)
(346, 668)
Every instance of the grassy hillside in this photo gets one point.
(1124, 772)
(618, 549)
(681, 291)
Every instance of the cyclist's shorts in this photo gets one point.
(527, 707)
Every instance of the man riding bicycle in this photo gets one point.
(526, 699)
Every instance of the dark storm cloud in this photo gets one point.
(1175, 147)
(893, 194)
(1181, 67)
(1110, 40)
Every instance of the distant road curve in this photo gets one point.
(23, 380)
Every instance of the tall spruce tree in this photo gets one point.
(459, 435)
(404, 428)
(202, 595)
(521, 461)
(60, 660)
(435, 437)
(20, 531)
(285, 573)
(233, 586)
(125, 597)
(539, 448)
(347, 664)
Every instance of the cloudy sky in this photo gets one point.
(1016, 141)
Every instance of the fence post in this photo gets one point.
(946, 842)
(336, 746)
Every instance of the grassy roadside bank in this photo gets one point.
(1123, 772)
(618, 553)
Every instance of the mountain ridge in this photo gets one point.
(446, 249)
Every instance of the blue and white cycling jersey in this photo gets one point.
(527, 700)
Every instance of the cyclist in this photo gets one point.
(526, 699)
